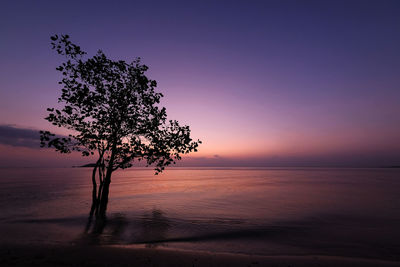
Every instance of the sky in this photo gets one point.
(261, 83)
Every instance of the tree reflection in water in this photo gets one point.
(150, 230)
(154, 228)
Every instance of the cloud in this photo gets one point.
(19, 137)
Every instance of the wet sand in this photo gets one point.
(72, 255)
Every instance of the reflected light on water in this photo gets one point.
(260, 211)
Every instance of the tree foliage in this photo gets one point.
(113, 111)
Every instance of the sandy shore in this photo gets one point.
(51, 255)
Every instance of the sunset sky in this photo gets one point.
(261, 83)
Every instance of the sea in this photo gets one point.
(349, 212)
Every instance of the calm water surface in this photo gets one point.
(347, 212)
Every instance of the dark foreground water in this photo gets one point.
(345, 212)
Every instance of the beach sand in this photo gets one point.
(72, 255)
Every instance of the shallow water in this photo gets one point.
(346, 212)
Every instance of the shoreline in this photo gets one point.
(78, 255)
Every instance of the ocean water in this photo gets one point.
(265, 211)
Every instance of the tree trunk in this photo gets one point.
(106, 185)
(104, 196)
(94, 191)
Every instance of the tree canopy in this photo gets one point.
(112, 110)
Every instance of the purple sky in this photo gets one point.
(262, 83)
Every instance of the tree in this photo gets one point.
(112, 111)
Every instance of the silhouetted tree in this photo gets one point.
(112, 110)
